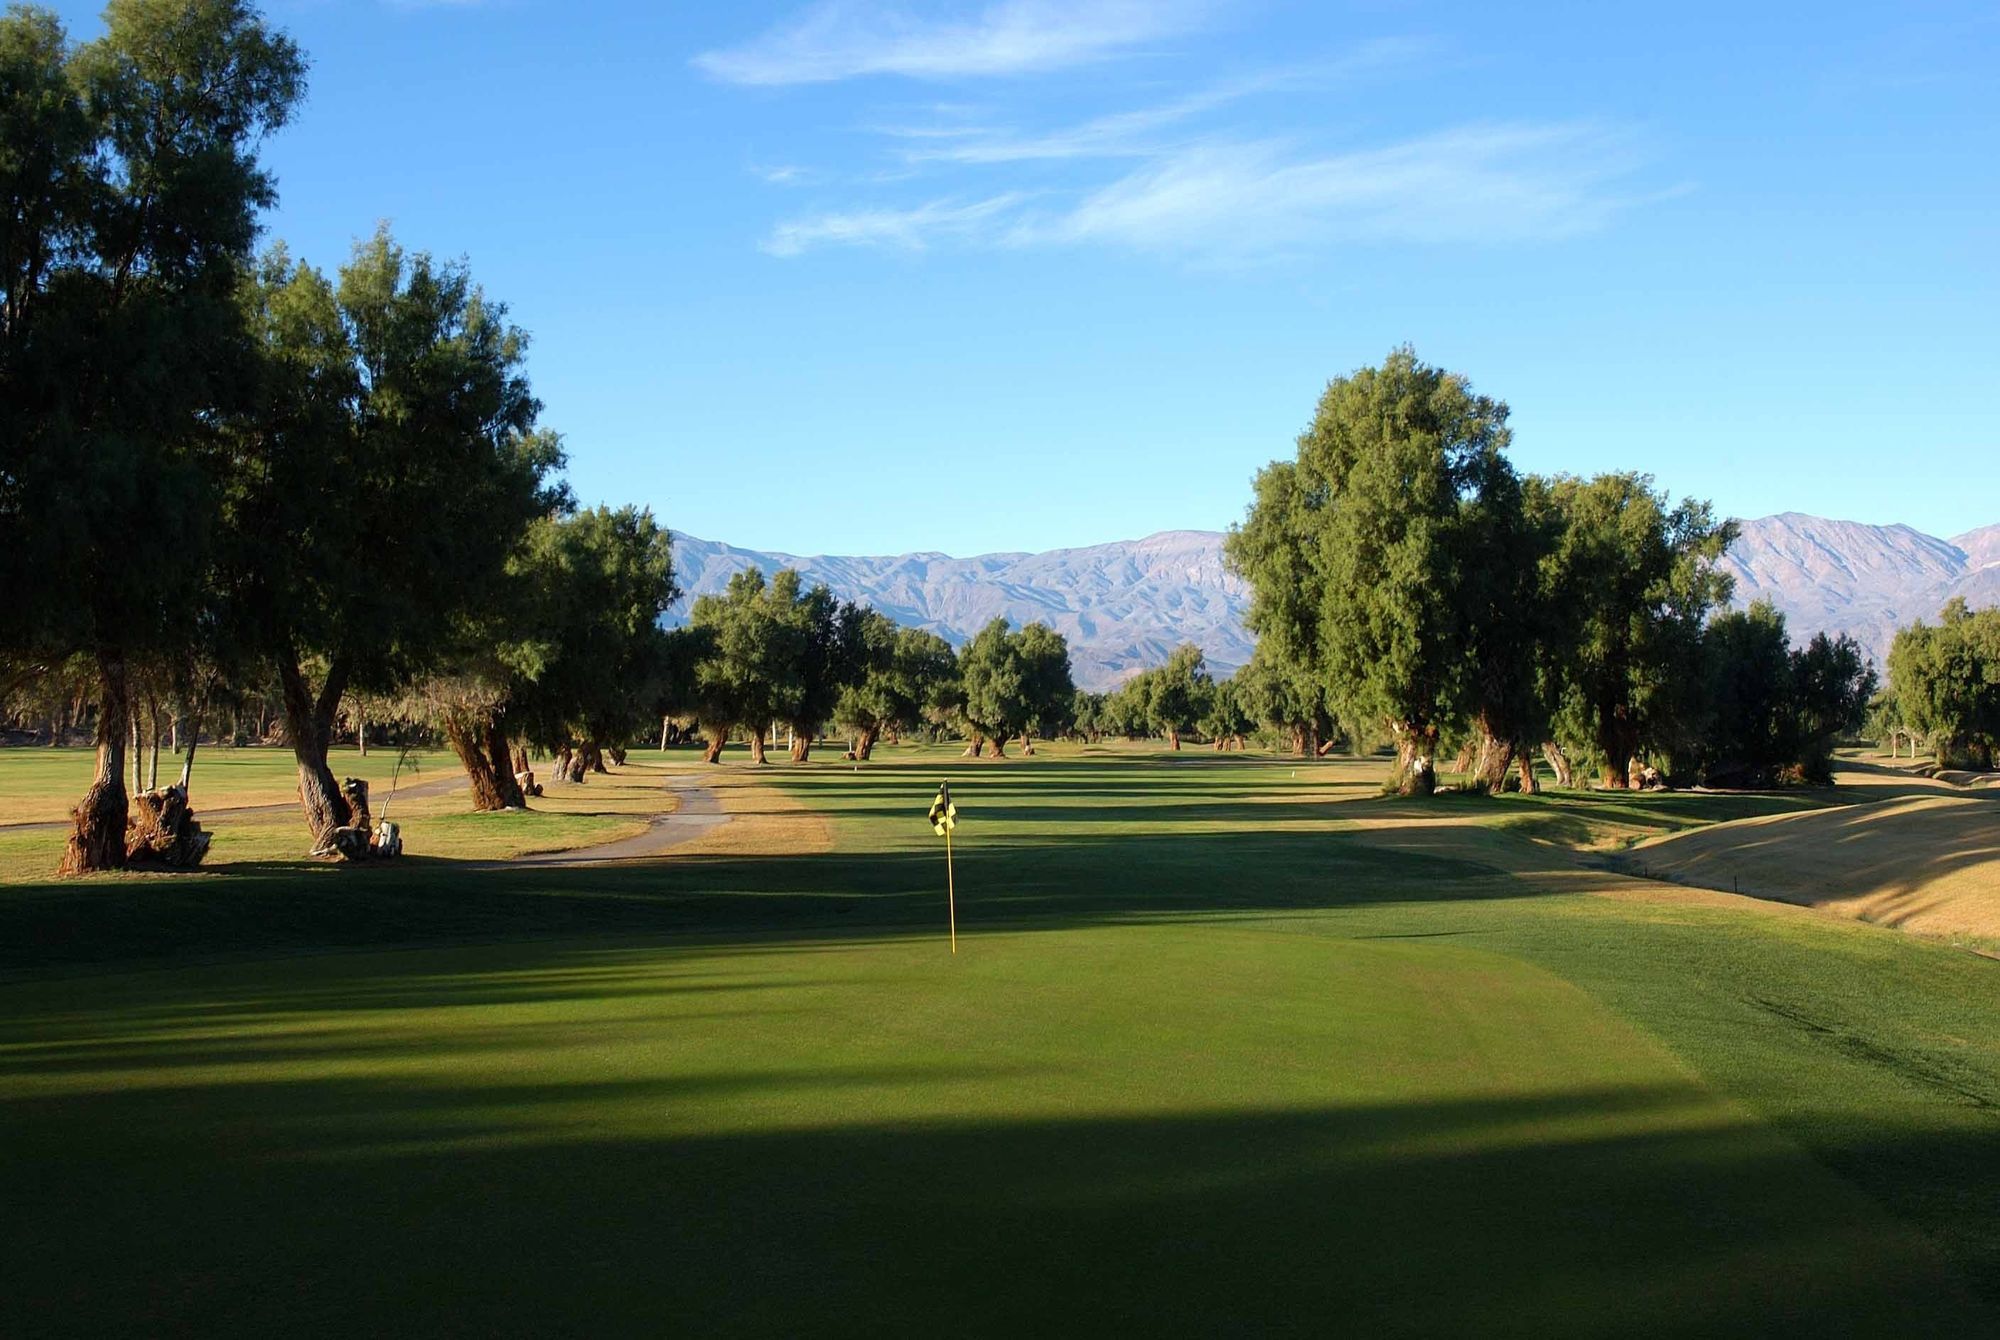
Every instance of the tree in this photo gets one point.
(1045, 683)
(1287, 698)
(598, 581)
(1013, 683)
(1946, 679)
(904, 673)
(1832, 686)
(132, 189)
(749, 675)
(1634, 580)
(1751, 731)
(829, 646)
(390, 470)
(1361, 553)
(1179, 693)
(1224, 720)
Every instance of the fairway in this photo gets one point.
(1228, 1043)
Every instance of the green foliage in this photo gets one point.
(1016, 683)
(1631, 580)
(749, 671)
(596, 584)
(1946, 680)
(1365, 554)
(132, 188)
(906, 676)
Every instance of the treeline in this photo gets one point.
(229, 481)
(1409, 582)
(768, 653)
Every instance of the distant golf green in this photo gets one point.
(1229, 1045)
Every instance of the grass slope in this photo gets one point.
(1228, 1045)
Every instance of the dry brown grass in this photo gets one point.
(1922, 862)
(763, 820)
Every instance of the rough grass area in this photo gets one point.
(1929, 864)
(40, 785)
(274, 836)
(1229, 1045)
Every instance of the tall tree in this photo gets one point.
(597, 583)
(903, 674)
(1635, 578)
(750, 672)
(1179, 693)
(1946, 679)
(131, 193)
(1362, 553)
(1013, 683)
(391, 469)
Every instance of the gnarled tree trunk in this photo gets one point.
(1529, 786)
(975, 746)
(309, 724)
(999, 744)
(756, 734)
(97, 838)
(864, 743)
(1559, 764)
(712, 747)
(467, 735)
(1416, 759)
(1494, 760)
(802, 744)
(1174, 739)
(501, 756)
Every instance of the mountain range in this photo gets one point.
(1125, 605)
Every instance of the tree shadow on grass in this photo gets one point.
(364, 1204)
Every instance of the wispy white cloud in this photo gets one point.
(911, 229)
(1244, 201)
(1480, 183)
(842, 39)
(1137, 134)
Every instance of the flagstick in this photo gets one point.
(950, 893)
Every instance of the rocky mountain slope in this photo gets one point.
(1124, 606)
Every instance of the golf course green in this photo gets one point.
(1230, 1043)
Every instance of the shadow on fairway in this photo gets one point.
(370, 1206)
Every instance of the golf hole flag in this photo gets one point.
(944, 818)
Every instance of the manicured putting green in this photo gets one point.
(1157, 1127)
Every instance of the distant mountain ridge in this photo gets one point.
(1125, 605)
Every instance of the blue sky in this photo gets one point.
(1014, 274)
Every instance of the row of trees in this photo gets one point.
(773, 652)
(1407, 579)
(225, 477)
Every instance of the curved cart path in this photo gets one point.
(698, 812)
(436, 786)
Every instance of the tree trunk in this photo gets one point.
(593, 758)
(1529, 786)
(1494, 761)
(1618, 741)
(502, 758)
(712, 749)
(975, 746)
(665, 722)
(1173, 739)
(864, 744)
(999, 743)
(467, 737)
(802, 744)
(1559, 764)
(757, 743)
(97, 838)
(1416, 759)
(309, 723)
